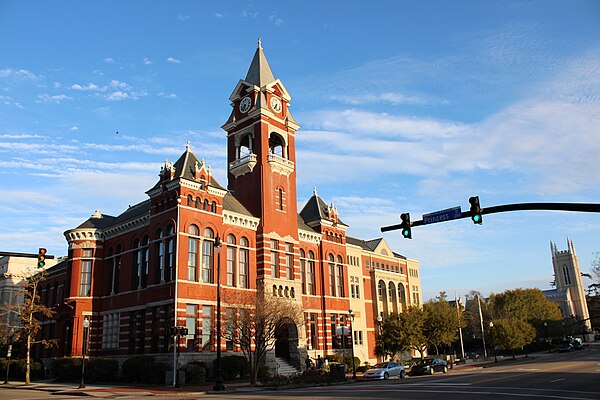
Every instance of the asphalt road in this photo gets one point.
(569, 376)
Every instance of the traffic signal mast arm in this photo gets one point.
(576, 207)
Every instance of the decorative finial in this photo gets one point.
(259, 43)
(315, 190)
(187, 146)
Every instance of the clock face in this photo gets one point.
(245, 104)
(276, 104)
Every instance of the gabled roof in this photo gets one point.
(103, 221)
(185, 167)
(259, 73)
(370, 245)
(302, 225)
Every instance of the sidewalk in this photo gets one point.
(94, 390)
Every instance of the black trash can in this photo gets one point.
(338, 371)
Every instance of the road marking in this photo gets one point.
(558, 380)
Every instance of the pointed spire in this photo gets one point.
(259, 73)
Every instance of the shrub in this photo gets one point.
(264, 373)
(143, 369)
(348, 362)
(233, 366)
(101, 370)
(66, 369)
(195, 372)
(18, 367)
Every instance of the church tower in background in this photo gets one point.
(567, 274)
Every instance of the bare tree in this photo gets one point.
(253, 328)
(23, 318)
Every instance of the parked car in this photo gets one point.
(385, 370)
(429, 366)
(566, 347)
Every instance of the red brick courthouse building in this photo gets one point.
(137, 275)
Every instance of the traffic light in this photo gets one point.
(41, 257)
(475, 210)
(406, 233)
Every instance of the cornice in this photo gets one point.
(244, 221)
(311, 237)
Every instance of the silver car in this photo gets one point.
(385, 370)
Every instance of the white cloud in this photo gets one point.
(219, 15)
(273, 18)
(147, 61)
(74, 128)
(120, 85)
(173, 60)
(18, 74)
(117, 96)
(88, 87)
(249, 14)
(109, 60)
(167, 95)
(21, 136)
(183, 17)
(385, 97)
(46, 98)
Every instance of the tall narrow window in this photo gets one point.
(160, 258)
(145, 262)
(339, 277)
(191, 315)
(207, 256)
(313, 331)
(231, 250)
(274, 259)
(230, 321)
(137, 270)
(116, 271)
(280, 199)
(303, 270)
(566, 275)
(193, 253)
(334, 337)
(289, 261)
(310, 277)
(206, 328)
(169, 261)
(85, 285)
(243, 264)
(331, 268)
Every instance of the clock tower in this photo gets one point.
(261, 154)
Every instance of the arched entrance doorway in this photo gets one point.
(286, 343)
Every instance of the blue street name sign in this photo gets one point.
(441, 216)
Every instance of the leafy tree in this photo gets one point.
(525, 304)
(512, 333)
(412, 321)
(254, 329)
(441, 322)
(393, 338)
(26, 325)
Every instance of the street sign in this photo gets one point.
(441, 216)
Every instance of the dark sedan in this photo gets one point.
(429, 366)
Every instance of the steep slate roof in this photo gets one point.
(369, 245)
(259, 73)
(302, 225)
(184, 168)
(315, 209)
(230, 203)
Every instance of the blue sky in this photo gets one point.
(404, 107)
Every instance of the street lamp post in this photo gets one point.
(351, 318)
(8, 354)
(380, 324)
(86, 325)
(546, 333)
(218, 385)
(493, 341)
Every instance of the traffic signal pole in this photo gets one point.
(574, 207)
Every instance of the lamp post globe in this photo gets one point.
(380, 323)
(493, 341)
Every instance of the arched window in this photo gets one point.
(213, 207)
(231, 250)
(310, 274)
(169, 260)
(193, 242)
(280, 199)
(392, 298)
(205, 205)
(243, 266)
(245, 146)
(197, 202)
(160, 257)
(339, 276)
(402, 296)
(331, 274)
(274, 290)
(277, 145)
(207, 256)
(190, 201)
(137, 270)
(145, 262)
(303, 270)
